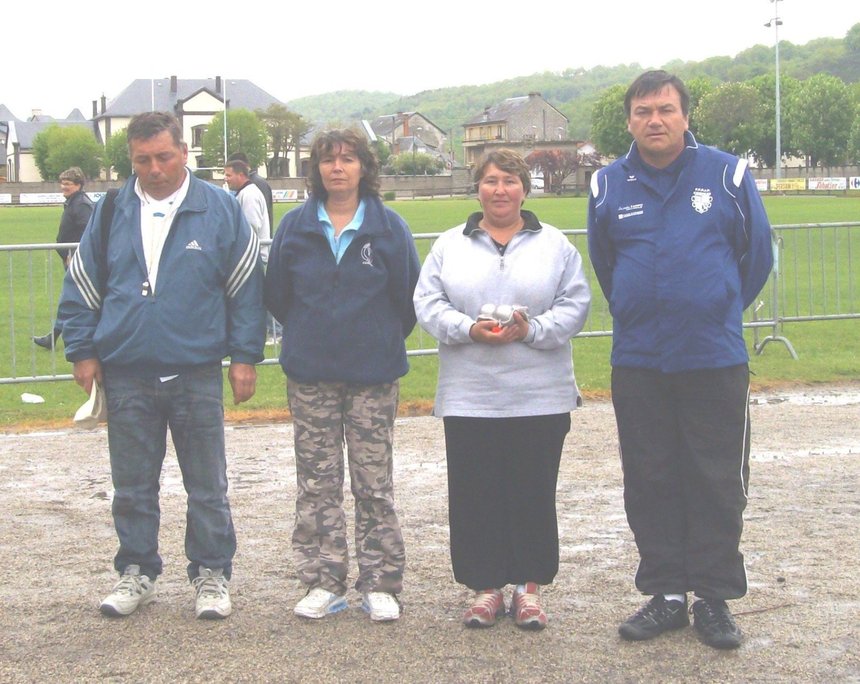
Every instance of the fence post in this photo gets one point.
(775, 335)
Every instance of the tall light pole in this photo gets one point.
(776, 22)
(225, 118)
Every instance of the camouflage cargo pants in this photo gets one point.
(325, 415)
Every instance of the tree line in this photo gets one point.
(575, 91)
(819, 119)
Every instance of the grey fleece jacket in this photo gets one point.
(540, 269)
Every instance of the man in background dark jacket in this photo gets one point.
(76, 214)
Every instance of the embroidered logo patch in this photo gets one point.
(630, 210)
(193, 245)
(702, 200)
(367, 254)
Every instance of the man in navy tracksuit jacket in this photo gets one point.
(681, 245)
(152, 302)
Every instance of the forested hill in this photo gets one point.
(574, 91)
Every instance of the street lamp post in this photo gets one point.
(776, 22)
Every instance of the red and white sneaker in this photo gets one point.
(525, 607)
(487, 606)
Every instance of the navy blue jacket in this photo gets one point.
(208, 301)
(678, 269)
(343, 322)
(77, 210)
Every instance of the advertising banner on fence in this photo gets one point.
(41, 198)
(285, 195)
(5, 198)
(828, 183)
(786, 184)
(761, 184)
(854, 182)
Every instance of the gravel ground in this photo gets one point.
(801, 617)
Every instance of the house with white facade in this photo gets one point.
(194, 101)
(20, 162)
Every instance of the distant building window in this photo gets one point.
(197, 133)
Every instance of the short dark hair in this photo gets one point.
(149, 124)
(653, 82)
(327, 141)
(508, 161)
(238, 166)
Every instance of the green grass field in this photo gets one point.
(816, 280)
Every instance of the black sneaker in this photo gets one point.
(715, 625)
(654, 618)
(45, 341)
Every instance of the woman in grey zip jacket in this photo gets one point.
(506, 387)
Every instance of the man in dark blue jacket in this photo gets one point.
(680, 243)
(152, 302)
(77, 210)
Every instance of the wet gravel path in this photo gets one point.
(801, 617)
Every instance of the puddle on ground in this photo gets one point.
(808, 399)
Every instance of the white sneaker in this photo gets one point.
(319, 602)
(132, 590)
(213, 594)
(382, 606)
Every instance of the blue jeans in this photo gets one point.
(140, 409)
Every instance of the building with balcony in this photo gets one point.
(519, 123)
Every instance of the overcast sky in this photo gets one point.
(65, 55)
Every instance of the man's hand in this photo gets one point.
(86, 371)
(243, 380)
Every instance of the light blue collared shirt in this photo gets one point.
(340, 242)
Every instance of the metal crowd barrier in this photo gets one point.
(815, 278)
